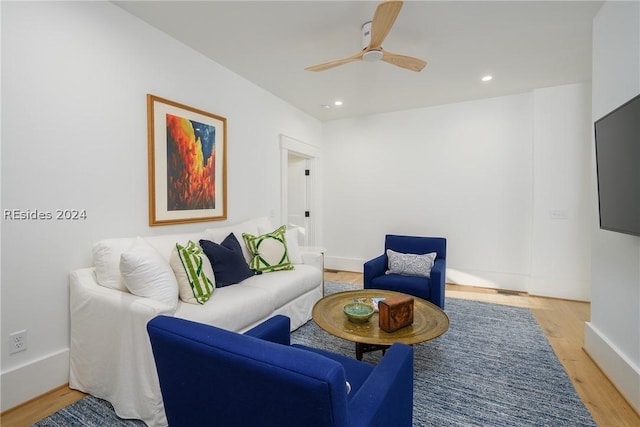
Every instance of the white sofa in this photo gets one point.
(110, 354)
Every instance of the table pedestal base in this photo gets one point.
(362, 348)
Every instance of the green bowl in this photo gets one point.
(358, 312)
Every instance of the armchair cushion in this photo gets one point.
(411, 285)
(410, 264)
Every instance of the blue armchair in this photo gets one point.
(210, 376)
(428, 288)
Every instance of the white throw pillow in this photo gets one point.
(147, 274)
(106, 260)
(293, 249)
(410, 264)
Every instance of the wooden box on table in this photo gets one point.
(395, 313)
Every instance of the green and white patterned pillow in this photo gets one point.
(193, 272)
(268, 251)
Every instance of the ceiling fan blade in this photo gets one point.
(383, 19)
(408, 62)
(331, 64)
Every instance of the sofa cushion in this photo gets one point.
(193, 272)
(234, 307)
(147, 274)
(410, 264)
(268, 251)
(286, 285)
(229, 265)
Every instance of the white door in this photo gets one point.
(298, 212)
(298, 162)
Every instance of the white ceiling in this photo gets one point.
(523, 44)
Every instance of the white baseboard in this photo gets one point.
(485, 279)
(488, 279)
(343, 264)
(616, 366)
(34, 379)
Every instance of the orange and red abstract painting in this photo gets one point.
(187, 163)
(190, 164)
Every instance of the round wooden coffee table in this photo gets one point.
(429, 321)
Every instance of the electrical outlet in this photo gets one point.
(18, 342)
(559, 214)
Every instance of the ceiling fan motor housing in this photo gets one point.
(371, 55)
(366, 34)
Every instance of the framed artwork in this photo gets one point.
(187, 163)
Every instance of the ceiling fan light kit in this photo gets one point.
(372, 56)
(373, 34)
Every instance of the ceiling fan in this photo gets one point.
(373, 34)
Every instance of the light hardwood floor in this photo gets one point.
(562, 322)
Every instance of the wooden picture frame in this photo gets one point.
(187, 151)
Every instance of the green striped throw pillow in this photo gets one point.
(193, 272)
(268, 251)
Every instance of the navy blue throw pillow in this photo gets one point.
(229, 265)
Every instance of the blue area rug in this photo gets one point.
(493, 367)
(89, 411)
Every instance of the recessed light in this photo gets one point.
(487, 78)
(325, 106)
(337, 103)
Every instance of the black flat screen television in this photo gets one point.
(617, 137)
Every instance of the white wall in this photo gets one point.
(74, 80)
(462, 171)
(484, 174)
(612, 337)
(561, 216)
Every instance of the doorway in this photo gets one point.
(298, 210)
